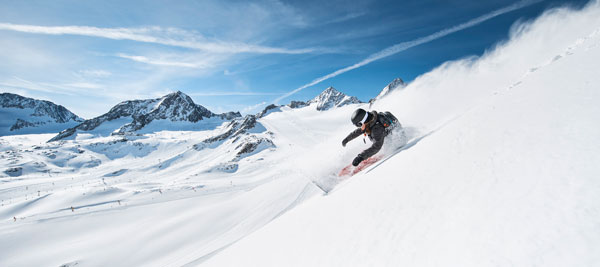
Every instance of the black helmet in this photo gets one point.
(359, 117)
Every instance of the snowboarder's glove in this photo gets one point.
(344, 142)
(357, 160)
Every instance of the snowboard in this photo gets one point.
(350, 170)
(329, 183)
(333, 181)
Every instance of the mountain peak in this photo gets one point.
(396, 84)
(178, 99)
(330, 89)
(175, 106)
(27, 115)
(331, 97)
(397, 81)
(177, 93)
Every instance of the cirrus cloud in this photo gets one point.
(157, 35)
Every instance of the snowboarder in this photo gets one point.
(376, 125)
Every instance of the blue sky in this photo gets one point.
(238, 55)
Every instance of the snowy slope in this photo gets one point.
(506, 174)
(150, 201)
(23, 115)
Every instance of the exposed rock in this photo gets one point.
(297, 104)
(233, 129)
(230, 115)
(253, 144)
(14, 172)
(331, 98)
(22, 115)
(267, 110)
(173, 107)
(229, 167)
(20, 124)
(41, 108)
(396, 84)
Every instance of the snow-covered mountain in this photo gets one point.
(396, 84)
(23, 115)
(171, 112)
(331, 98)
(500, 170)
(241, 138)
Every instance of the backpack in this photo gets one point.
(387, 119)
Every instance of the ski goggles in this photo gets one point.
(360, 123)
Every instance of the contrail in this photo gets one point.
(406, 45)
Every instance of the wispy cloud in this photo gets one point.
(389, 51)
(20, 83)
(157, 35)
(346, 17)
(160, 62)
(85, 85)
(95, 73)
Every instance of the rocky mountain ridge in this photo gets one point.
(24, 114)
(331, 98)
(174, 107)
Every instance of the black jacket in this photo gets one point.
(376, 133)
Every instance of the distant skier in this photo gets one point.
(376, 125)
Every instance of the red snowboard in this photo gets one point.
(351, 170)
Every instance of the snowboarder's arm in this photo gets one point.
(351, 136)
(378, 134)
